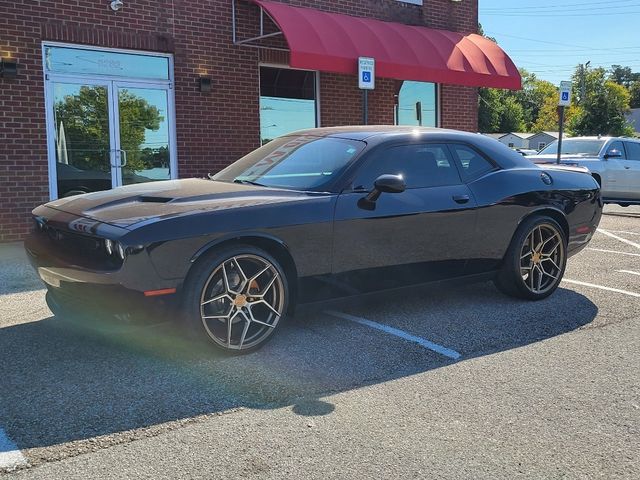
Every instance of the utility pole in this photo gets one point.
(583, 86)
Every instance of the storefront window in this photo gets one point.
(417, 104)
(287, 101)
(67, 60)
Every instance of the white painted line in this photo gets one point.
(628, 271)
(613, 251)
(601, 287)
(10, 457)
(625, 232)
(398, 333)
(628, 242)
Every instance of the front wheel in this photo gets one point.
(535, 261)
(237, 298)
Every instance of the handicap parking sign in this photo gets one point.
(565, 94)
(366, 73)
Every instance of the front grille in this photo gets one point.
(78, 249)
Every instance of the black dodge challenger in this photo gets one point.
(314, 215)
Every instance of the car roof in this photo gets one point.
(363, 132)
(380, 134)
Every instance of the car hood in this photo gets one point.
(143, 203)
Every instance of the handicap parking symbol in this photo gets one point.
(366, 77)
(565, 96)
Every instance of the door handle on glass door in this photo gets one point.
(461, 198)
(123, 158)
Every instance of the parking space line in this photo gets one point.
(628, 242)
(447, 352)
(625, 232)
(628, 271)
(613, 251)
(602, 287)
(10, 457)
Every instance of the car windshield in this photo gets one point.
(301, 162)
(575, 147)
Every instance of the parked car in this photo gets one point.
(613, 161)
(525, 152)
(313, 215)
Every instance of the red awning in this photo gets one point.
(332, 42)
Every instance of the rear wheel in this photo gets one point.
(236, 298)
(535, 261)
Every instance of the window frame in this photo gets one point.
(351, 187)
(609, 147)
(625, 142)
(458, 162)
(287, 67)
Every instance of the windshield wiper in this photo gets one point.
(248, 182)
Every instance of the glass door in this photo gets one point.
(110, 118)
(83, 137)
(143, 134)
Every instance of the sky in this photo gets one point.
(549, 38)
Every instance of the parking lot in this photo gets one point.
(448, 382)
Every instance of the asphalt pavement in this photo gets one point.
(448, 382)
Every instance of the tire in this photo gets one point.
(535, 261)
(236, 298)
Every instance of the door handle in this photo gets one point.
(461, 198)
(123, 158)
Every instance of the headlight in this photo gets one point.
(121, 251)
(108, 246)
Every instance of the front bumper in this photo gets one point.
(72, 283)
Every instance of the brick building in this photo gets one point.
(95, 94)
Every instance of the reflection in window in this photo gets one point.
(287, 101)
(417, 104)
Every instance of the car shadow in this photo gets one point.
(65, 381)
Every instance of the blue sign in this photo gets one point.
(565, 96)
(366, 77)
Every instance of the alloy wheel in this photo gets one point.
(242, 302)
(542, 258)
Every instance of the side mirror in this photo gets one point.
(390, 184)
(383, 184)
(614, 153)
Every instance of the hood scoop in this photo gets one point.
(128, 201)
(152, 199)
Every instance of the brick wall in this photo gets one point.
(212, 128)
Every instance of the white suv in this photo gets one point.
(613, 161)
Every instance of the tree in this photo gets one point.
(84, 116)
(532, 97)
(634, 92)
(489, 110)
(623, 75)
(499, 111)
(512, 115)
(604, 107)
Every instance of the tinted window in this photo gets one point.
(633, 150)
(420, 166)
(619, 147)
(473, 164)
(296, 162)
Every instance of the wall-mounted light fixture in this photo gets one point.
(205, 84)
(8, 68)
(116, 5)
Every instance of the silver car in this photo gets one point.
(613, 161)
